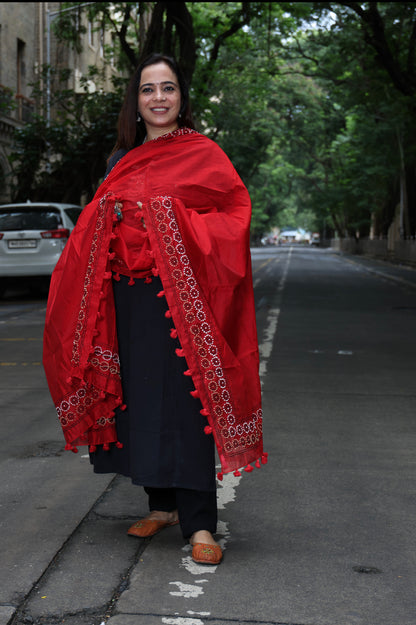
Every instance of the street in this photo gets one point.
(324, 534)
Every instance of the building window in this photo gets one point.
(112, 51)
(91, 34)
(25, 107)
(21, 67)
(102, 43)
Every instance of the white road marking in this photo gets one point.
(269, 333)
(182, 621)
(226, 492)
(187, 590)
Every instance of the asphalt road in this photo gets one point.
(324, 534)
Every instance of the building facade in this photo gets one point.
(27, 45)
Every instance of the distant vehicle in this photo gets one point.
(270, 239)
(32, 237)
(315, 238)
(298, 235)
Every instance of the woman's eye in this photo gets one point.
(169, 88)
(146, 90)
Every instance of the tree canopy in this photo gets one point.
(314, 103)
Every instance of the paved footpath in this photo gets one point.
(324, 534)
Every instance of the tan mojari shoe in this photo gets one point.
(206, 554)
(148, 527)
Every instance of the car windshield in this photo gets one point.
(73, 213)
(33, 219)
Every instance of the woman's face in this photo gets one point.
(159, 99)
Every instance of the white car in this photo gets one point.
(32, 237)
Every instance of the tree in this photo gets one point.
(312, 101)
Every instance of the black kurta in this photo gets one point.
(162, 430)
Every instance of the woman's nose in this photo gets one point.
(159, 95)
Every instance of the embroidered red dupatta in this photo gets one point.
(196, 215)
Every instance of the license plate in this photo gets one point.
(22, 243)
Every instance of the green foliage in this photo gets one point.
(65, 159)
(312, 101)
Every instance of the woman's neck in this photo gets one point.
(155, 133)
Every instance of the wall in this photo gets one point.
(403, 251)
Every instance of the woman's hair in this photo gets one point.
(131, 133)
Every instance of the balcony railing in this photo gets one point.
(25, 108)
(16, 106)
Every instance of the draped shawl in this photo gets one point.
(173, 207)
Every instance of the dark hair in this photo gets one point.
(131, 133)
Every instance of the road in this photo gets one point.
(324, 534)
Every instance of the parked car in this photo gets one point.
(32, 237)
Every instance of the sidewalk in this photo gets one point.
(404, 274)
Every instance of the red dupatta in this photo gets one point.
(174, 207)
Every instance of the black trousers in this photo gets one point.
(197, 509)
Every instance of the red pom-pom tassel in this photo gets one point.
(155, 271)
(179, 352)
(237, 473)
(119, 445)
(248, 468)
(106, 447)
(208, 429)
(116, 277)
(161, 294)
(131, 282)
(174, 333)
(148, 280)
(111, 255)
(188, 373)
(92, 449)
(257, 464)
(69, 447)
(220, 476)
(204, 412)
(168, 314)
(195, 394)
(107, 275)
(264, 458)
(123, 407)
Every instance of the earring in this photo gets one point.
(139, 119)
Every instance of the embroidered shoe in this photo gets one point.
(148, 527)
(206, 554)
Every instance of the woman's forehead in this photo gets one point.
(157, 73)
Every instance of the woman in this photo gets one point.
(150, 345)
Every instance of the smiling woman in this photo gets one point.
(151, 355)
